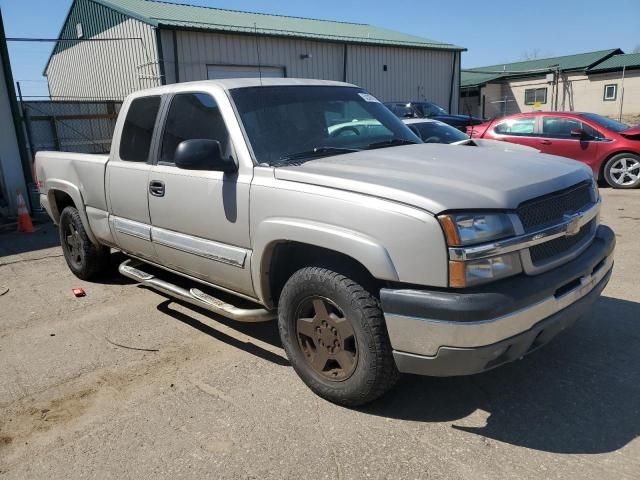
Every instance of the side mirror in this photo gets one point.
(203, 154)
(579, 133)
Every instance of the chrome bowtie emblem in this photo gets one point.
(573, 227)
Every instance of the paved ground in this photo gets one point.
(215, 399)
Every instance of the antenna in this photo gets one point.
(255, 29)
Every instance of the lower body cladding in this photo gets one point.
(449, 333)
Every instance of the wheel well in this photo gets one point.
(604, 162)
(62, 200)
(289, 257)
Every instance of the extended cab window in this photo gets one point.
(516, 126)
(193, 116)
(138, 129)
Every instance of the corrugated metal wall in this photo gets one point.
(412, 74)
(196, 50)
(103, 69)
(111, 70)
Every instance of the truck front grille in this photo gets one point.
(549, 251)
(551, 208)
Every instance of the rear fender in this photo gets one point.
(56, 185)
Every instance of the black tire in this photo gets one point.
(84, 259)
(616, 178)
(373, 371)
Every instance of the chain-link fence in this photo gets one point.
(71, 125)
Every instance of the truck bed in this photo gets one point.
(83, 170)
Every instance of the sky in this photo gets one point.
(496, 31)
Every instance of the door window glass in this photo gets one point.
(193, 116)
(516, 126)
(559, 127)
(138, 129)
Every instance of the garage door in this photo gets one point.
(240, 71)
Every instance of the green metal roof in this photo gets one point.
(582, 61)
(172, 15)
(629, 60)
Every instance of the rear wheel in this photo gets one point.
(85, 259)
(333, 331)
(623, 171)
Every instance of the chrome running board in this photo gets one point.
(194, 296)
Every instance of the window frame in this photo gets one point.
(154, 132)
(163, 117)
(535, 89)
(615, 92)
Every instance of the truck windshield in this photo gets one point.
(289, 124)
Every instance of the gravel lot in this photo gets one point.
(212, 398)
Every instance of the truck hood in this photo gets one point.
(437, 177)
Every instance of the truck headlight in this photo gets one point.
(474, 272)
(468, 228)
(471, 228)
(596, 191)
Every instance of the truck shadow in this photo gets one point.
(265, 332)
(579, 394)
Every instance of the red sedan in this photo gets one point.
(610, 148)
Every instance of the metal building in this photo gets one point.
(12, 155)
(109, 48)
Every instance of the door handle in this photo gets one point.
(545, 142)
(156, 188)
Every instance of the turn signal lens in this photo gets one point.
(467, 274)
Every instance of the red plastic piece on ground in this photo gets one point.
(78, 292)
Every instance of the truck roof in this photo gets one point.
(231, 83)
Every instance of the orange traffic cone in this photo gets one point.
(24, 220)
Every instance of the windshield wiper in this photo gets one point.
(391, 143)
(311, 154)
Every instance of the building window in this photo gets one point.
(535, 95)
(610, 92)
(79, 31)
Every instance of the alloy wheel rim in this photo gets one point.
(326, 338)
(625, 171)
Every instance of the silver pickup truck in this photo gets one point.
(377, 254)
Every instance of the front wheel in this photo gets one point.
(623, 171)
(335, 337)
(84, 259)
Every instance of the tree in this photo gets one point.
(532, 54)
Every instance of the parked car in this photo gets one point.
(431, 110)
(434, 131)
(610, 148)
(378, 254)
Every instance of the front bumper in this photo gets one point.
(449, 332)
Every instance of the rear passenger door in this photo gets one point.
(199, 218)
(520, 130)
(127, 177)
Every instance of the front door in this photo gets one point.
(199, 218)
(556, 139)
(127, 178)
